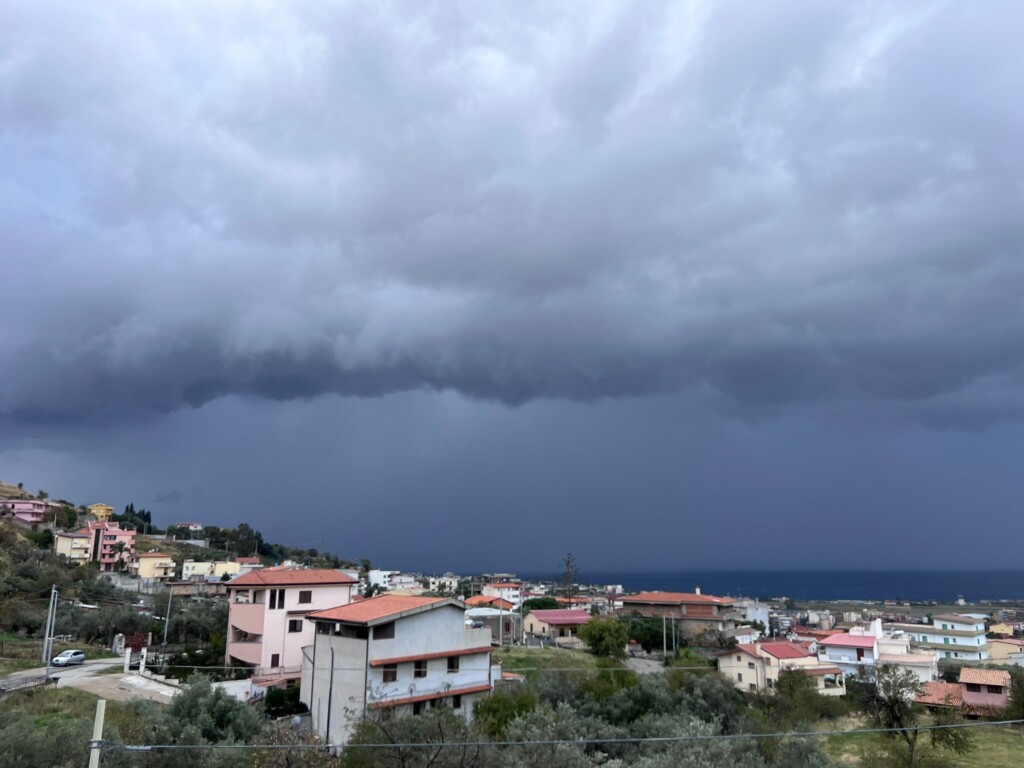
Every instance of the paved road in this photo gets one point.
(88, 677)
(79, 671)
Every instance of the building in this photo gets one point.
(506, 626)
(692, 612)
(560, 625)
(396, 654)
(506, 590)
(100, 512)
(266, 612)
(953, 635)
(194, 569)
(1001, 648)
(110, 545)
(73, 546)
(485, 601)
(247, 564)
(190, 527)
(447, 584)
(154, 566)
(755, 667)
(986, 691)
(27, 513)
(862, 649)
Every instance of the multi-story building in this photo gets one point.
(193, 569)
(153, 566)
(28, 513)
(862, 649)
(953, 635)
(247, 564)
(101, 512)
(692, 612)
(74, 546)
(266, 616)
(392, 653)
(506, 590)
(756, 667)
(110, 545)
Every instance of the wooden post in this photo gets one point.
(97, 734)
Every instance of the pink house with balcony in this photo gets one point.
(28, 513)
(110, 545)
(267, 629)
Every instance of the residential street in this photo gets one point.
(94, 677)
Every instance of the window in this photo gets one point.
(945, 640)
(275, 659)
(994, 688)
(306, 596)
(457, 701)
(750, 665)
(390, 673)
(420, 669)
(295, 625)
(974, 688)
(753, 687)
(739, 677)
(737, 658)
(771, 683)
(323, 628)
(417, 707)
(384, 631)
(356, 633)
(453, 664)
(276, 599)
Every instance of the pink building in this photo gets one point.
(986, 691)
(109, 543)
(28, 513)
(266, 621)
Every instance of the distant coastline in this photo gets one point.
(819, 585)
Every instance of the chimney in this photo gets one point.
(696, 590)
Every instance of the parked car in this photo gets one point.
(67, 658)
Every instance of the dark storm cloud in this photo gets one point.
(781, 204)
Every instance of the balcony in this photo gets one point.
(247, 617)
(247, 652)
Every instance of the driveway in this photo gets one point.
(108, 685)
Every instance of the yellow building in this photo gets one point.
(1000, 648)
(74, 546)
(101, 512)
(154, 565)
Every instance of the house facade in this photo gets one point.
(986, 691)
(692, 612)
(73, 546)
(952, 635)
(392, 654)
(561, 625)
(27, 513)
(266, 617)
(862, 649)
(194, 569)
(154, 566)
(755, 667)
(110, 545)
(506, 590)
(101, 512)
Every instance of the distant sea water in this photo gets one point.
(941, 586)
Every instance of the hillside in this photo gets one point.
(8, 491)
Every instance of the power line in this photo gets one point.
(559, 742)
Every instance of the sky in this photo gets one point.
(469, 286)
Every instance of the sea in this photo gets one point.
(823, 586)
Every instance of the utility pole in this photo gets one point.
(167, 621)
(51, 619)
(664, 638)
(97, 734)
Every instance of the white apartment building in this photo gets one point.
(952, 635)
(396, 653)
(860, 650)
(267, 629)
(193, 569)
(506, 590)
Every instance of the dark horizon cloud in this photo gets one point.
(782, 205)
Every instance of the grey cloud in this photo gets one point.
(786, 206)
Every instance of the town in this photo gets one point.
(333, 650)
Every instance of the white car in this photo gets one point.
(67, 658)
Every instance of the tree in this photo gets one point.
(569, 573)
(540, 604)
(1015, 706)
(43, 494)
(605, 637)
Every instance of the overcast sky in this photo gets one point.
(465, 285)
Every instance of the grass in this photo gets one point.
(994, 747)
(18, 653)
(45, 704)
(532, 662)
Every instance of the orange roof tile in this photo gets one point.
(428, 696)
(676, 598)
(283, 577)
(784, 650)
(938, 694)
(985, 676)
(378, 608)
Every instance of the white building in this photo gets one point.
(862, 649)
(506, 590)
(194, 569)
(755, 667)
(952, 635)
(447, 584)
(391, 580)
(266, 619)
(392, 653)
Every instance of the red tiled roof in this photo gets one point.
(938, 694)
(562, 616)
(849, 641)
(377, 608)
(819, 671)
(676, 598)
(247, 560)
(784, 650)
(273, 577)
(478, 601)
(151, 554)
(505, 585)
(985, 676)
(428, 696)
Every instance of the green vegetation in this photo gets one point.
(605, 637)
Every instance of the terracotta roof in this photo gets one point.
(428, 696)
(248, 560)
(375, 609)
(676, 598)
(273, 577)
(819, 671)
(985, 676)
(906, 658)
(938, 694)
(505, 585)
(849, 641)
(486, 600)
(747, 648)
(1007, 640)
(562, 616)
(784, 650)
(151, 554)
